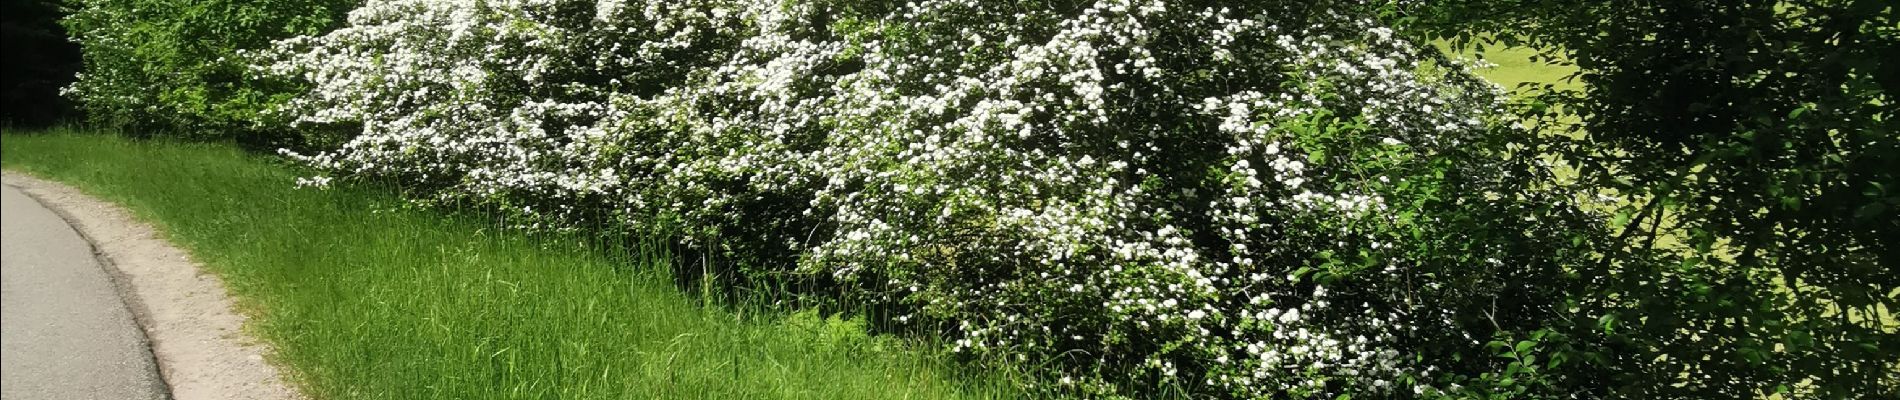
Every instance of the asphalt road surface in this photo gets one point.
(64, 331)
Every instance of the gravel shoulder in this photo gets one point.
(195, 332)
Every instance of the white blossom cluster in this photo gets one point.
(1184, 194)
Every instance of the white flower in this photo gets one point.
(319, 182)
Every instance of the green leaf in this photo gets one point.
(1870, 210)
(1525, 345)
(1752, 355)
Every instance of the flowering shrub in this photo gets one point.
(1247, 200)
(171, 66)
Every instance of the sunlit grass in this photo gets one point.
(365, 299)
(1515, 66)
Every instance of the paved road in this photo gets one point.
(64, 331)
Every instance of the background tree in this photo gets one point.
(1755, 144)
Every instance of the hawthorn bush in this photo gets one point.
(1239, 200)
(1133, 199)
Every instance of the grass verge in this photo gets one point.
(366, 299)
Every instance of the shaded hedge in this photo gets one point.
(39, 61)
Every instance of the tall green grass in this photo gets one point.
(366, 299)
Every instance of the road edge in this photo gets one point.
(186, 314)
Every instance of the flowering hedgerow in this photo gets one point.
(1246, 200)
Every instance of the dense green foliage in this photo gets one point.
(1756, 144)
(364, 298)
(176, 67)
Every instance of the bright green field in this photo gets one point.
(1515, 66)
(365, 299)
